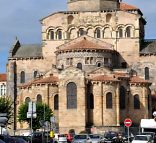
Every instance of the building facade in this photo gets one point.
(3, 83)
(94, 66)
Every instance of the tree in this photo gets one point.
(43, 112)
(6, 106)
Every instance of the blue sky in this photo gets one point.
(20, 18)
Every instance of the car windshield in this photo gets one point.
(142, 138)
(110, 135)
(94, 136)
(80, 137)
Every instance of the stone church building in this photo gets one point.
(93, 66)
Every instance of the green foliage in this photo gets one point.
(43, 112)
(6, 106)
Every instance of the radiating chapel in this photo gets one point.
(93, 66)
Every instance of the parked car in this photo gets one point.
(1, 141)
(19, 140)
(110, 136)
(62, 138)
(150, 133)
(142, 139)
(7, 139)
(95, 138)
(81, 138)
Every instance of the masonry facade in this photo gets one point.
(91, 67)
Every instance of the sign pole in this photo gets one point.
(31, 119)
(128, 133)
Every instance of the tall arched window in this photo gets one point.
(71, 95)
(79, 66)
(56, 102)
(107, 33)
(109, 100)
(128, 32)
(146, 73)
(120, 32)
(52, 34)
(98, 33)
(22, 77)
(136, 102)
(27, 99)
(39, 98)
(91, 101)
(59, 34)
(122, 98)
(35, 74)
(81, 32)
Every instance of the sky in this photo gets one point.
(21, 19)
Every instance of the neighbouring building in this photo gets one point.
(3, 82)
(93, 66)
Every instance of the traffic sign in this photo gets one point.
(128, 122)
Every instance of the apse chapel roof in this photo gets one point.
(85, 43)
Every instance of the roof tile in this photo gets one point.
(124, 6)
(3, 77)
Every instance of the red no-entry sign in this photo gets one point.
(128, 122)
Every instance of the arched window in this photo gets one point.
(109, 100)
(70, 19)
(22, 77)
(27, 99)
(122, 97)
(35, 74)
(91, 101)
(79, 66)
(146, 73)
(98, 64)
(120, 32)
(98, 33)
(81, 32)
(56, 102)
(71, 95)
(39, 98)
(59, 34)
(128, 31)
(136, 102)
(51, 35)
(108, 17)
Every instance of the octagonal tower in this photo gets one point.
(92, 5)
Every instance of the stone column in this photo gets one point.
(117, 106)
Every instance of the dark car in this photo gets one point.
(1, 141)
(7, 139)
(19, 140)
(109, 137)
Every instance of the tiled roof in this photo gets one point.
(104, 78)
(148, 47)
(51, 79)
(136, 79)
(124, 6)
(3, 77)
(121, 75)
(85, 44)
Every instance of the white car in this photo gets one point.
(142, 139)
